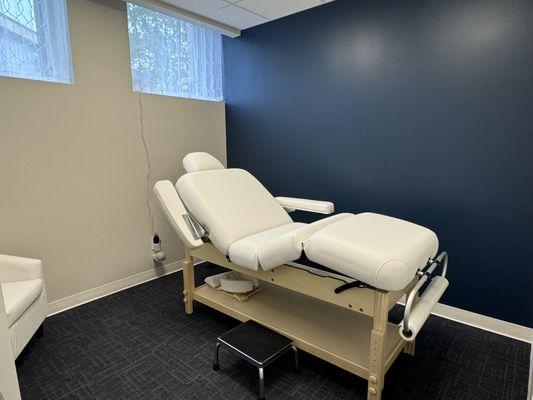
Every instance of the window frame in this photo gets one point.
(213, 88)
(63, 69)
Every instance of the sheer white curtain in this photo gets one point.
(34, 40)
(173, 57)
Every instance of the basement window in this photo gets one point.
(173, 57)
(34, 40)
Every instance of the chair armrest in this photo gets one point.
(321, 207)
(13, 268)
(185, 226)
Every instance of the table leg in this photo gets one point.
(377, 346)
(261, 384)
(296, 364)
(216, 366)
(188, 282)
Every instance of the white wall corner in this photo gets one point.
(87, 296)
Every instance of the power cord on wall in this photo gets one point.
(148, 164)
(157, 254)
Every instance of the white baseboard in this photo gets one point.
(87, 296)
(504, 328)
(490, 324)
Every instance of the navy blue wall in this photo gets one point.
(422, 110)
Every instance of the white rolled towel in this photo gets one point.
(423, 307)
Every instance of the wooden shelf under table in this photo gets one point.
(332, 333)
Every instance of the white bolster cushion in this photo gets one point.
(317, 206)
(268, 249)
(200, 161)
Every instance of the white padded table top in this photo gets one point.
(380, 251)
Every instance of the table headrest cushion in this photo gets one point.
(200, 161)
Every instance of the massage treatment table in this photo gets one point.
(338, 313)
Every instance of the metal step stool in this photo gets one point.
(256, 344)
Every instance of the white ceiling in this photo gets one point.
(243, 14)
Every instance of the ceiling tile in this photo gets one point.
(243, 14)
(206, 8)
(238, 17)
(273, 9)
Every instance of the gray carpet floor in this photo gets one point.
(139, 344)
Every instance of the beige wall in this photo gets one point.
(72, 166)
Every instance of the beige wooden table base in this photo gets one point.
(349, 329)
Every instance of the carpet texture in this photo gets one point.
(139, 344)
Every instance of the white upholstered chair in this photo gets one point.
(25, 299)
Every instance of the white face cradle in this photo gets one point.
(232, 282)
